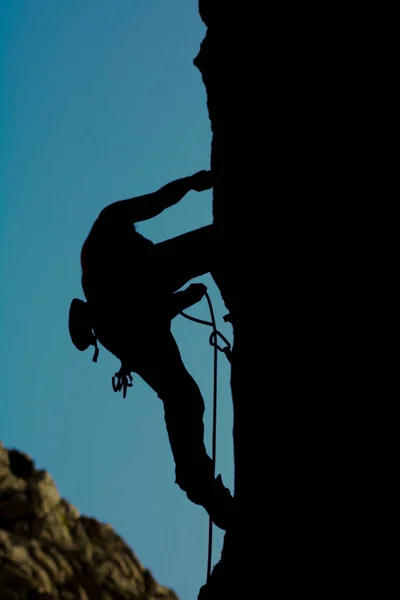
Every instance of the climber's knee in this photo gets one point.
(194, 477)
(180, 392)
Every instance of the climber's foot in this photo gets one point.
(217, 501)
(220, 504)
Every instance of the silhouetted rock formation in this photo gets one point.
(289, 169)
(237, 206)
(48, 551)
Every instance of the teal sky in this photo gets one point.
(100, 101)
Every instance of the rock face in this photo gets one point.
(48, 551)
(289, 156)
(225, 62)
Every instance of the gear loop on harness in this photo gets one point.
(96, 350)
(122, 380)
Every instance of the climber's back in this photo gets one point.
(114, 258)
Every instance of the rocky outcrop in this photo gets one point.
(49, 551)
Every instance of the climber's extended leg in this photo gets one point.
(186, 256)
(161, 367)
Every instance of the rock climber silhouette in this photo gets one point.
(131, 286)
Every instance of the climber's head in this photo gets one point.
(79, 325)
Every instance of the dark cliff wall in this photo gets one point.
(284, 115)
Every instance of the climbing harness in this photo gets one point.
(123, 378)
(227, 351)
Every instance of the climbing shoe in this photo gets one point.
(217, 501)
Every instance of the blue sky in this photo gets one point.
(100, 101)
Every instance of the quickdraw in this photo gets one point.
(213, 341)
(122, 380)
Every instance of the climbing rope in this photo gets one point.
(227, 351)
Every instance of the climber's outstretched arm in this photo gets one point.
(148, 206)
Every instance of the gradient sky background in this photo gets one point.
(100, 101)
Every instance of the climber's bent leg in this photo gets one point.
(186, 256)
(162, 368)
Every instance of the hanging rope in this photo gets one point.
(227, 351)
